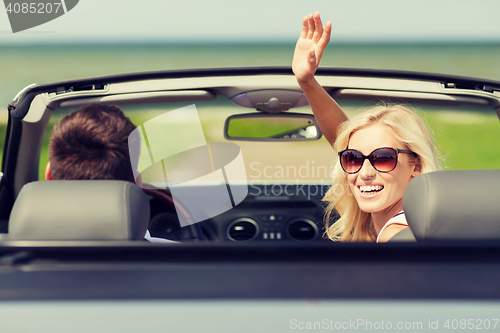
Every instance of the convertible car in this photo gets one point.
(234, 168)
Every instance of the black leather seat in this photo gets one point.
(79, 210)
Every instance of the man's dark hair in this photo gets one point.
(92, 143)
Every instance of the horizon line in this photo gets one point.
(115, 42)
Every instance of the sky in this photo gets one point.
(263, 21)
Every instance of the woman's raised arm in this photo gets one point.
(306, 58)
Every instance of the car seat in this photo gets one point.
(452, 205)
(79, 210)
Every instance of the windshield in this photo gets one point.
(466, 137)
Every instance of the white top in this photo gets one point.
(152, 239)
(399, 218)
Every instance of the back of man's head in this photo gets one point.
(91, 143)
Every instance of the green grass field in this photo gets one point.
(469, 141)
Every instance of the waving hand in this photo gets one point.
(310, 47)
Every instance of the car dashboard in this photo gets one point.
(270, 213)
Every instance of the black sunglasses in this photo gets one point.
(382, 159)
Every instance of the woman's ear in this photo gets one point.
(48, 173)
(417, 169)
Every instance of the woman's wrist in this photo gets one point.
(308, 84)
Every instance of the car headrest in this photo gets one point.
(454, 205)
(79, 210)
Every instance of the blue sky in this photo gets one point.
(265, 20)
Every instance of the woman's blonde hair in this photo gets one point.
(407, 127)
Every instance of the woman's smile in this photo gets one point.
(369, 192)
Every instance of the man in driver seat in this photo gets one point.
(92, 143)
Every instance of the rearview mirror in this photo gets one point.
(272, 127)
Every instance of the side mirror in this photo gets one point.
(272, 127)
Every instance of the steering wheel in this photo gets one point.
(165, 224)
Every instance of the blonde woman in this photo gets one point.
(380, 151)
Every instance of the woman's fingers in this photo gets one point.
(318, 31)
(305, 27)
(312, 27)
(325, 37)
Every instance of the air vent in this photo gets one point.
(302, 230)
(242, 230)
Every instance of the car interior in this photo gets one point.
(283, 202)
(68, 245)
